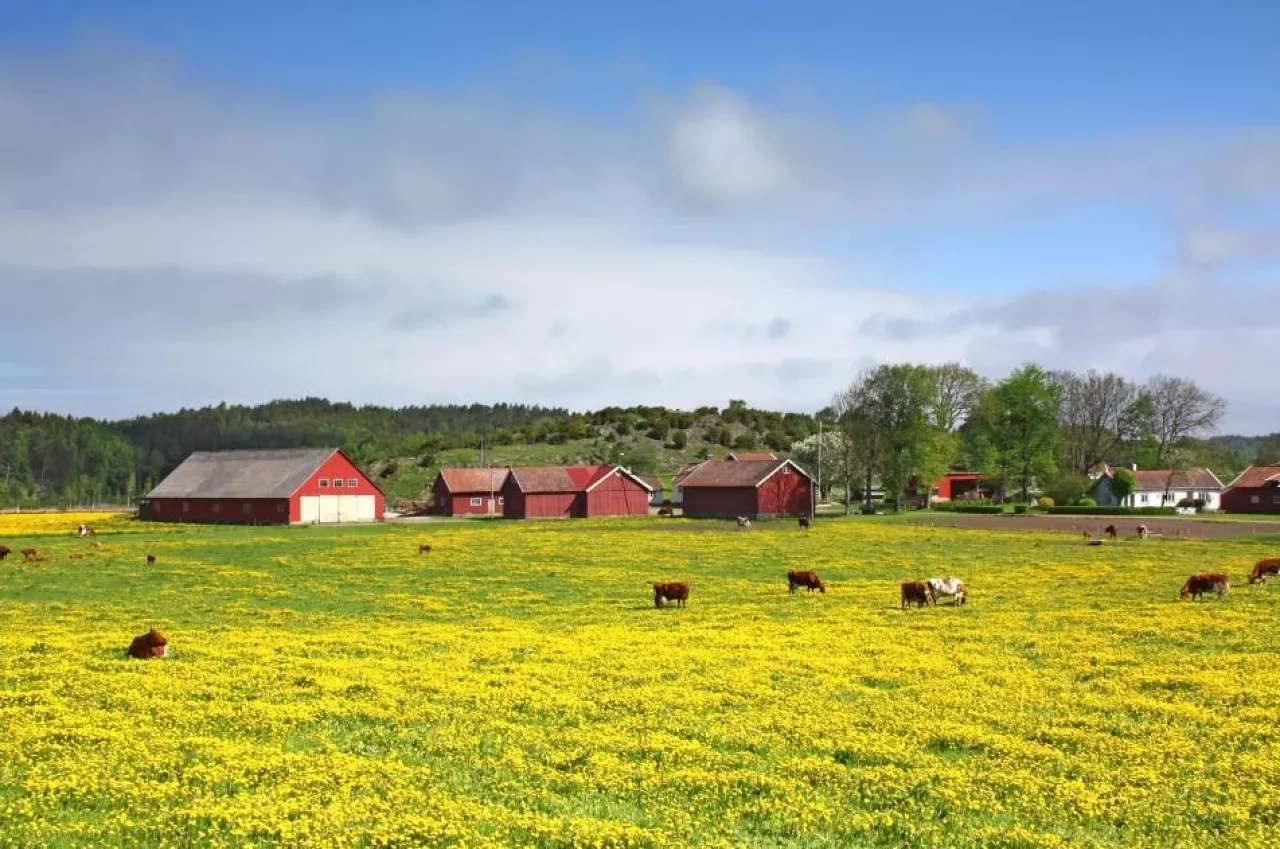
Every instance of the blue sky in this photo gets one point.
(1001, 174)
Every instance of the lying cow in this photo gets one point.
(1264, 569)
(30, 554)
(1206, 582)
(149, 645)
(808, 580)
(676, 591)
(952, 588)
(916, 592)
(743, 523)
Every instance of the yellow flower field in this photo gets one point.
(516, 687)
(49, 524)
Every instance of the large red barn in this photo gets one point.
(1255, 490)
(293, 486)
(751, 488)
(469, 492)
(575, 492)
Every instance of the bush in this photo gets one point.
(1019, 508)
(1113, 511)
(1086, 502)
(1044, 503)
(745, 442)
(679, 440)
(983, 509)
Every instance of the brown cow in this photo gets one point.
(1206, 582)
(1111, 531)
(808, 580)
(1264, 569)
(149, 645)
(424, 549)
(30, 554)
(916, 592)
(666, 513)
(5, 551)
(804, 522)
(151, 559)
(677, 591)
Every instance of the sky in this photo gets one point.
(669, 203)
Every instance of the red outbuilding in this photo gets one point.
(574, 492)
(293, 486)
(1256, 490)
(751, 488)
(469, 492)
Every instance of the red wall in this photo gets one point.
(1238, 500)
(517, 505)
(459, 503)
(787, 493)
(716, 501)
(781, 495)
(338, 466)
(229, 511)
(618, 495)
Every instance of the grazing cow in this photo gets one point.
(677, 591)
(5, 551)
(1087, 536)
(1142, 531)
(75, 557)
(85, 531)
(149, 645)
(1111, 531)
(30, 554)
(666, 513)
(916, 592)
(952, 588)
(743, 523)
(424, 549)
(151, 559)
(1206, 582)
(1264, 569)
(804, 522)
(808, 580)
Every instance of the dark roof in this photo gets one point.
(1257, 476)
(654, 482)
(688, 469)
(473, 480)
(242, 474)
(735, 473)
(1155, 480)
(753, 456)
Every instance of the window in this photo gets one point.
(1253, 499)
(337, 483)
(786, 470)
(352, 483)
(499, 500)
(186, 507)
(476, 502)
(217, 506)
(1143, 498)
(280, 507)
(246, 508)
(1275, 499)
(324, 483)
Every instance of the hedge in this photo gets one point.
(988, 509)
(1112, 511)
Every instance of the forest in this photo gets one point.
(893, 424)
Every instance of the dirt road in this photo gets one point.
(1127, 526)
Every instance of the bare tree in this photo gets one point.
(1173, 408)
(956, 392)
(1098, 413)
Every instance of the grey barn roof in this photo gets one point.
(242, 474)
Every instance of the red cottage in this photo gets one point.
(751, 488)
(1256, 490)
(469, 492)
(574, 492)
(294, 486)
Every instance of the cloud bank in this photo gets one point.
(167, 242)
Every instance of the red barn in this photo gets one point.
(294, 486)
(1256, 490)
(574, 492)
(751, 488)
(469, 492)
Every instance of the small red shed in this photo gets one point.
(574, 492)
(750, 488)
(469, 492)
(1255, 490)
(292, 486)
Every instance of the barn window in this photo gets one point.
(324, 483)
(786, 470)
(476, 502)
(1275, 499)
(499, 500)
(247, 508)
(337, 483)
(1253, 499)
(186, 507)
(217, 506)
(352, 483)
(280, 508)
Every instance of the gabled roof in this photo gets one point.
(243, 474)
(685, 471)
(473, 480)
(1256, 476)
(652, 481)
(753, 456)
(736, 473)
(1156, 480)
(547, 479)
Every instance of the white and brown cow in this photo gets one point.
(951, 587)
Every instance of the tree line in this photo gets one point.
(899, 424)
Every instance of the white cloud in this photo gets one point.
(165, 243)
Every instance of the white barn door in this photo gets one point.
(365, 507)
(328, 509)
(347, 508)
(310, 509)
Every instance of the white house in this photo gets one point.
(1162, 488)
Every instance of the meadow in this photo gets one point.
(516, 687)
